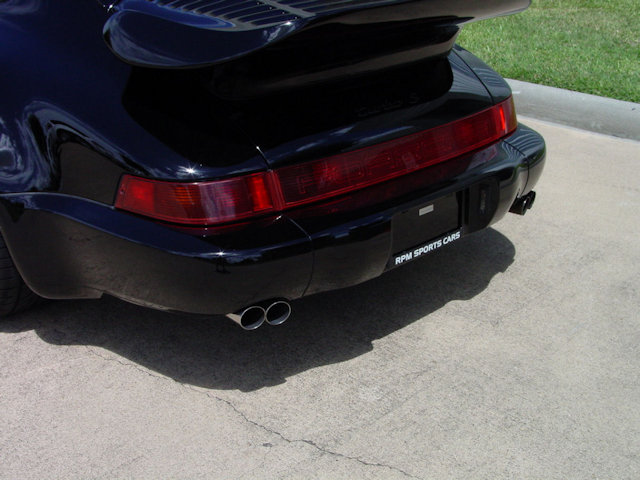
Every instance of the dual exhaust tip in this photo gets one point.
(275, 312)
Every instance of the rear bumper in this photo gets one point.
(68, 247)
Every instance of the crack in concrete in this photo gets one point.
(242, 415)
(311, 443)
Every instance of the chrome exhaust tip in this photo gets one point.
(249, 318)
(278, 312)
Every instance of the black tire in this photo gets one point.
(15, 295)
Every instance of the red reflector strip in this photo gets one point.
(328, 177)
(239, 198)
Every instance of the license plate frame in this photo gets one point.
(425, 228)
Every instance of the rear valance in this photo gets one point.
(194, 33)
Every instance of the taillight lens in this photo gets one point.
(199, 203)
(239, 198)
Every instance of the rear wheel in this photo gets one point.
(15, 295)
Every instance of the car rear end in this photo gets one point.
(375, 142)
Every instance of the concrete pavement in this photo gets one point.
(513, 353)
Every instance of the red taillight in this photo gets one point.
(200, 203)
(239, 198)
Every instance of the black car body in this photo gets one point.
(209, 156)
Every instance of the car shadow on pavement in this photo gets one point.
(324, 329)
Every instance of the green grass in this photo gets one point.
(591, 46)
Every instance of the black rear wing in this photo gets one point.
(197, 33)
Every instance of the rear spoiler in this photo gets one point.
(197, 33)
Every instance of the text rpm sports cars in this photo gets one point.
(220, 156)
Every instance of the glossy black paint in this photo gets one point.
(74, 117)
(159, 34)
(64, 85)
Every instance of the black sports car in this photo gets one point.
(221, 156)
